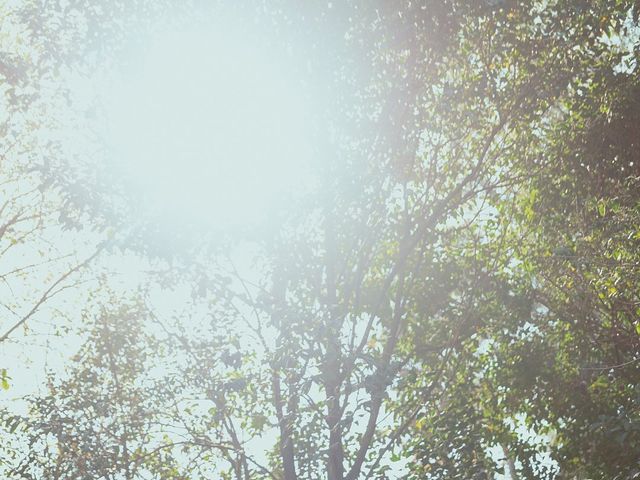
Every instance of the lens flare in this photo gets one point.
(207, 127)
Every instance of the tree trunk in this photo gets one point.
(286, 443)
(335, 466)
(511, 467)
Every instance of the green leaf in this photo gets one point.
(4, 379)
(258, 421)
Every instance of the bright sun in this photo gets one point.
(210, 128)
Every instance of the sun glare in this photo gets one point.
(209, 128)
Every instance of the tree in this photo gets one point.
(37, 260)
(441, 302)
(344, 303)
(553, 365)
(103, 420)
